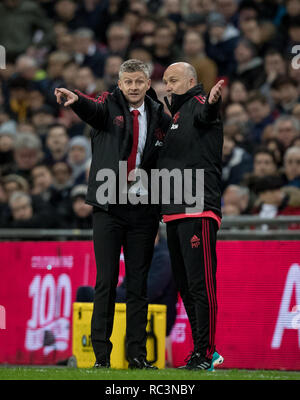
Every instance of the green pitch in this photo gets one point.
(66, 373)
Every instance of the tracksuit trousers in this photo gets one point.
(134, 227)
(192, 246)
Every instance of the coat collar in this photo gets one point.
(179, 99)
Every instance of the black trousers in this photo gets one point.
(134, 227)
(192, 246)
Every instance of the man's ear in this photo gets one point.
(149, 84)
(119, 84)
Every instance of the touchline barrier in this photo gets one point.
(258, 293)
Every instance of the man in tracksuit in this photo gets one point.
(194, 142)
(128, 126)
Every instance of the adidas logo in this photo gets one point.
(195, 242)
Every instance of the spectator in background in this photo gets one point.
(14, 183)
(42, 180)
(194, 54)
(81, 215)
(42, 118)
(25, 213)
(55, 65)
(249, 67)
(85, 81)
(27, 154)
(110, 78)
(264, 164)
(194, 22)
(291, 167)
(165, 51)
(145, 31)
(61, 188)
(87, 54)
(65, 11)
(118, 39)
(36, 99)
(229, 9)
(69, 73)
(237, 112)
(276, 147)
(27, 17)
(287, 89)
(8, 134)
(237, 92)
(274, 199)
(296, 111)
(18, 98)
(274, 66)
(27, 68)
(236, 200)
(62, 175)
(260, 115)
(222, 39)
(79, 153)
(286, 129)
(236, 163)
(144, 54)
(57, 141)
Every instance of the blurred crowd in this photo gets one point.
(45, 150)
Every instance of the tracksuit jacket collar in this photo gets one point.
(179, 99)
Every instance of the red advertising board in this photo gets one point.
(258, 290)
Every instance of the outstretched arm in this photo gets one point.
(211, 110)
(88, 109)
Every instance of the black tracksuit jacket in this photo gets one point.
(112, 136)
(194, 141)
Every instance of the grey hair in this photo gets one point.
(18, 195)
(84, 33)
(134, 65)
(284, 118)
(28, 141)
(240, 190)
(291, 150)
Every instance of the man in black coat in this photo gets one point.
(193, 144)
(128, 127)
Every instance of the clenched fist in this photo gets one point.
(65, 94)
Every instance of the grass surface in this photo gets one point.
(66, 373)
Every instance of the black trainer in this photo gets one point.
(102, 364)
(198, 362)
(188, 360)
(140, 363)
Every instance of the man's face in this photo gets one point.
(263, 165)
(292, 165)
(134, 86)
(286, 133)
(21, 209)
(192, 44)
(177, 80)
(42, 178)
(57, 139)
(26, 158)
(257, 111)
